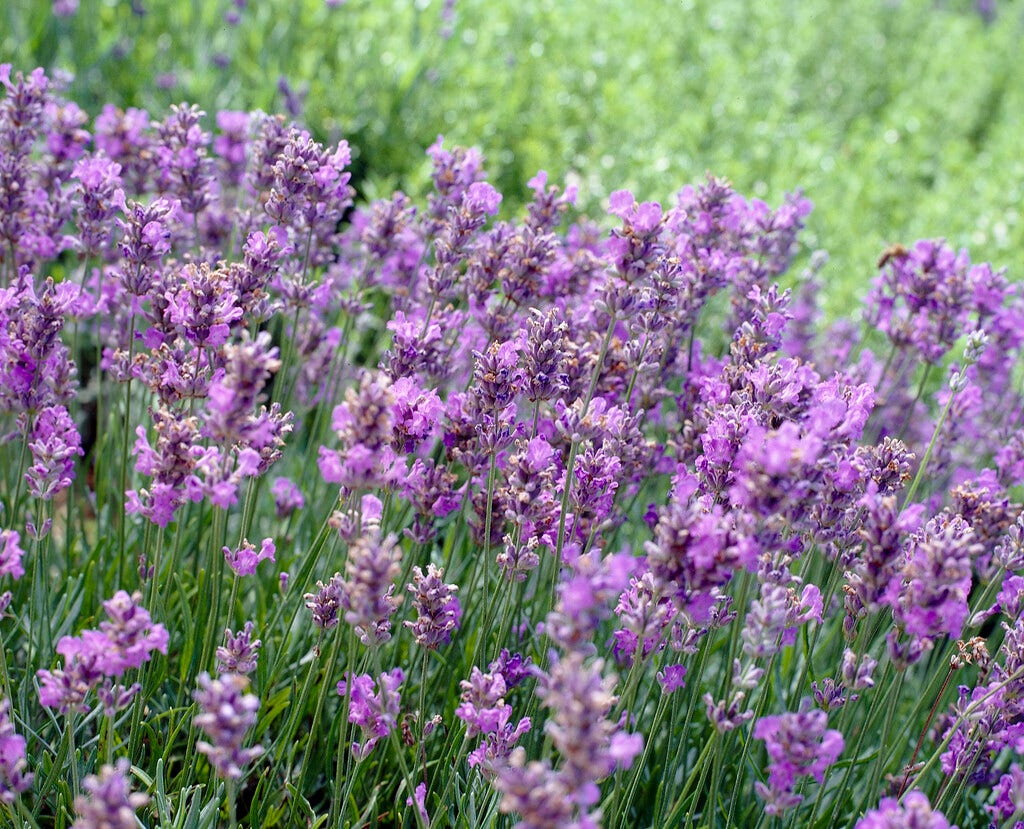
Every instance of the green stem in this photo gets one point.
(125, 432)
(928, 452)
(72, 755)
(232, 808)
(696, 777)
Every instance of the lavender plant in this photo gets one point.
(567, 524)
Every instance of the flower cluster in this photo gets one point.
(798, 744)
(126, 640)
(108, 802)
(14, 779)
(374, 711)
(227, 713)
(651, 479)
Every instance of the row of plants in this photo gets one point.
(897, 118)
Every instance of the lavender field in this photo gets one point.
(464, 507)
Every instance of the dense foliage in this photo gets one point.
(398, 513)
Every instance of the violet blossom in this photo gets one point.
(108, 801)
(226, 715)
(374, 711)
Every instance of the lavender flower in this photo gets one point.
(536, 793)
(287, 497)
(11, 554)
(912, 812)
(186, 171)
(1009, 795)
(231, 144)
(171, 462)
(239, 653)
(203, 305)
(131, 634)
(13, 778)
(375, 712)
(483, 702)
(108, 802)
(579, 698)
(54, 443)
(497, 744)
(146, 239)
(367, 594)
(102, 198)
(419, 798)
(325, 603)
(797, 744)
(438, 610)
(228, 712)
(126, 640)
(232, 400)
(244, 560)
(922, 298)
(931, 598)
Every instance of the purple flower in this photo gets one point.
(36, 370)
(11, 554)
(231, 144)
(481, 197)
(244, 560)
(310, 191)
(239, 653)
(146, 238)
(186, 171)
(126, 640)
(287, 497)
(115, 697)
(325, 603)
(1009, 793)
(797, 744)
(644, 615)
(102, 198)
(538, 794)
(65, 8)
(13, 778)
(374, 711)
(775, 615)
(671, 679)
(514, 667)
(125, 138)
(420, 799)
(233, 397)
(497, 744)
(54, 443)
(585, 597)
(66, 689)
(578, 696)
(227, 714)
(437, 608)
(483, 702)
(367, 594)
(131, 634)
(364, 426)
(203, 305)
(931, 597)
(547, 206)
(454, 171)
(108, 801)
(912, 812)
(923, 297)
(171, 462)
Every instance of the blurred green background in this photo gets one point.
(899, 120)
